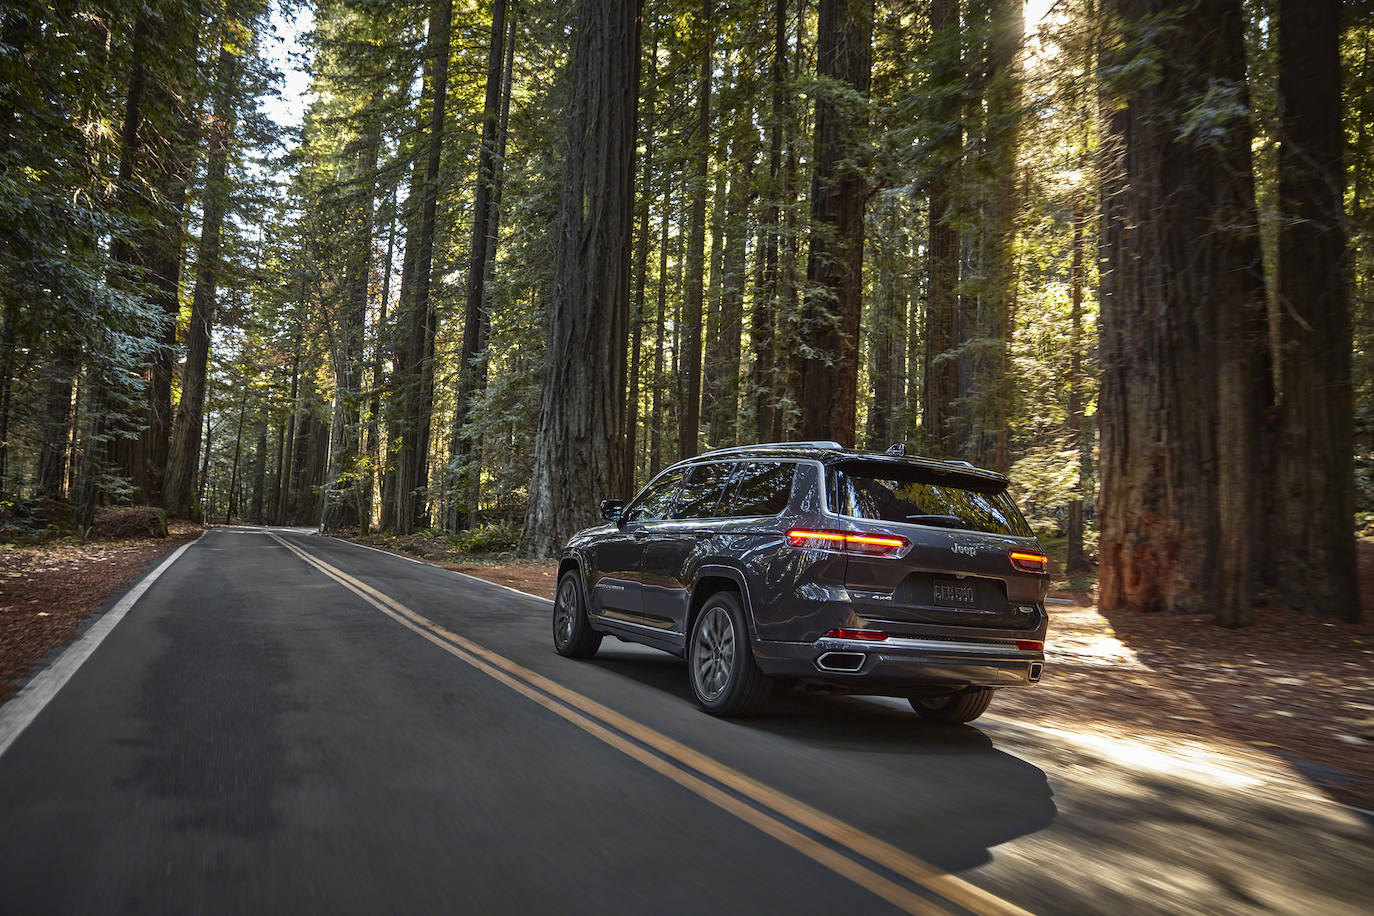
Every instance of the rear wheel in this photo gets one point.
(573, 635)
(725, 678)
(964, 706)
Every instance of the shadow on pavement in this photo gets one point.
(945, 793)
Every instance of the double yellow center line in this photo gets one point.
(849, 851)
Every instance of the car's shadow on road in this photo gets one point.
(945, 793)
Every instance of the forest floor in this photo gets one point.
(48, 590)
(1295, 687)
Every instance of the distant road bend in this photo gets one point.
(291, 723)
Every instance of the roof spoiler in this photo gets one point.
(820, 443)
(958, 472)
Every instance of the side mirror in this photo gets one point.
(613, 510)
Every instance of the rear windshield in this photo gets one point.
(924, 497)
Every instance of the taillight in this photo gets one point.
(1030, 645)
(868, 635)
(869, 545)
(1030, 562)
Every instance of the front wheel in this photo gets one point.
(725, 678)
(964, 706)
(573, 635)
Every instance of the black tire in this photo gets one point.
(964, 706)
(573, 636)
(720, 662)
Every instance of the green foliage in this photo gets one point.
(489, 538)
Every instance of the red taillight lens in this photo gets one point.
(1029, 561)
(1030, 645)
(869, 545)
(870, 635)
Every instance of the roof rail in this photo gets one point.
(824, 443)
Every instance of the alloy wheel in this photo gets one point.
(713, 653)
(565, 612)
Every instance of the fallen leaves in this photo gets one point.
(47, 590)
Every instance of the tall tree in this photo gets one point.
(689, 429)
(1316, 504)
(763, 314)
(179, 487)
(466, 472)
(994, 304)
(839, 195)
(161, 131)
(1183, 315)
(412, 462)
(577, 457)
(942, 289)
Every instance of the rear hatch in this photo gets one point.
(962, 527)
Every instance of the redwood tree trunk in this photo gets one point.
(1316, 490)
(1183, 326)
(465, 472)
(839, 195)
(578, 459)
(641, 276)
(54, 453)
(179, 486)
(942, 303)
(690, 366)
(762, 316)
(412, 462)
(986, 444)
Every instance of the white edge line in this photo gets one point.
(24, 707)
(440, 568)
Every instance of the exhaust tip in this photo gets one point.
(843, 662)
(1036, 669)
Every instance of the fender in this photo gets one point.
(573, 555)
(727, 571)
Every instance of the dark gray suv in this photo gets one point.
(807, 562)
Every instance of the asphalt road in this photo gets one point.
(292, 724)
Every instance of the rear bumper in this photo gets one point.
(898, 665)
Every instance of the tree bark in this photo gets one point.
(54, 453)
(284, 470)
(577, 456)
(942, 305)
(344, 498)
(1316, 491)
(763, 314)
(660, 314)
(179, 489)
(464, 472)
(986, 443)
(839, 196)
(690, 366)
(641, 274)
(413, 459)
(723, 358)
(164, 151)
(1076, 561)
(238, 449)
(1183, 325)
(259, 473)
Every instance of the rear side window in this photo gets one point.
(925, 497)
(759, 488)
(702, 491)
(656, 499)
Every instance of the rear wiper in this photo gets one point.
(948, 521)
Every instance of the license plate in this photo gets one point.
(955, 594)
